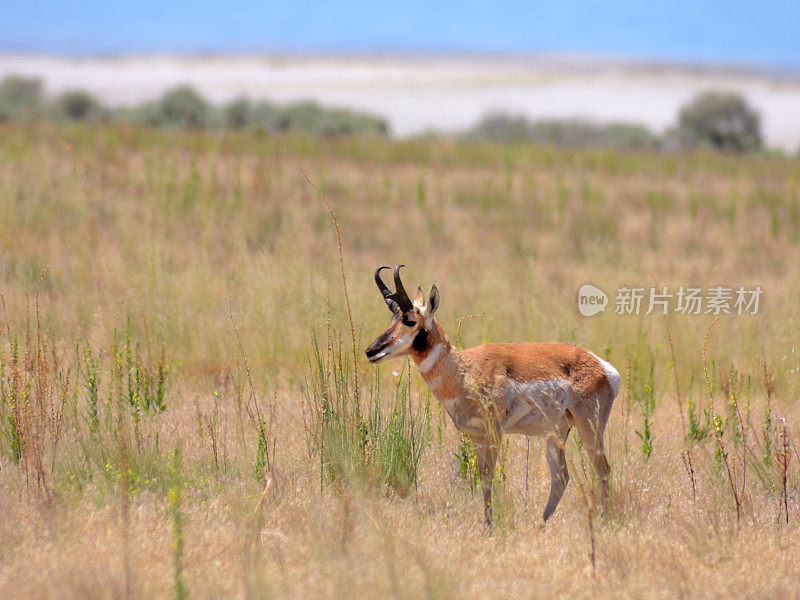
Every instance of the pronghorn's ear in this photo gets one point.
(433, 300)
(419, 300)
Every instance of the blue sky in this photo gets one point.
(760, 33)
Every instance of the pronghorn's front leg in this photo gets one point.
(486, 451)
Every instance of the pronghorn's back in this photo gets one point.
(593, 381)
(544, 360)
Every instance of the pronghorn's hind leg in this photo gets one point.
(559, 475)
(486, 451)
(591, 428)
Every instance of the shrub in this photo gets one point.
(79, 105)
(722, 120)
(183, 107)
(500, 127)
(20, 97)
(313, 119)
(238, 114)
(266, 117)
(579, 133)
(630, 135)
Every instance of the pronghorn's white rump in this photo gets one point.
(529, 389)
(611, 374)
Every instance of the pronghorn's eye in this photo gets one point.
(408, 322)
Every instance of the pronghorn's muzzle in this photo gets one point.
(375, 355)
(378, 349)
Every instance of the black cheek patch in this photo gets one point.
(420, 342)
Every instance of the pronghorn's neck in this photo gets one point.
(438, 363)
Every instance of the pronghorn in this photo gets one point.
(530, 389)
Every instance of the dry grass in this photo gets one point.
(161, 235)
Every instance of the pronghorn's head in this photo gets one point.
(411, 320)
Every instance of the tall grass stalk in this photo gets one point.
(176, 519)
(675, 374)
(587, 492)
(34, 393)
(261, 424)
(642, 386)
(344, 283)
(784, 457)
(125, 515)
(411, 421)
(719, 423)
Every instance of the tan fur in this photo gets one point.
(533, 389)
(489, 367)
(540, 361)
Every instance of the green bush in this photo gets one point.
(238, 114)
(146, 113)
(20, 97)
(79, 105)
(500, 127)
(182, 106)
(263, 116)
(301, 117)
(578, 133)
(267, 118)
(722, 120)
(311, 118)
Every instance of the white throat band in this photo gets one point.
(427, 363)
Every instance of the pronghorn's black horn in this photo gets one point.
(399, 300)
(400, 291)
(382, 286)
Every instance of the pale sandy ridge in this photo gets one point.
(442, 93)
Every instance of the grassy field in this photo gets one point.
(182, 416)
